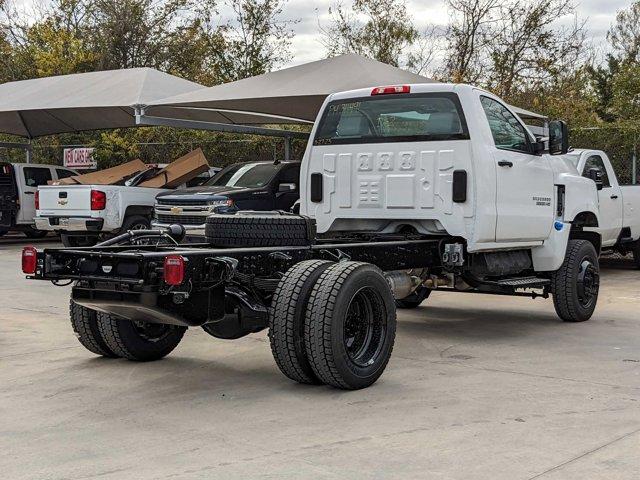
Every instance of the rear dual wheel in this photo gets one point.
(113, 337)
(349, 320)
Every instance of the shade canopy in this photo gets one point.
(287, 96)
(83, 101)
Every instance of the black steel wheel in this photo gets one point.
(576, 284)
(350, 325)
(415, 299)
(139, 341)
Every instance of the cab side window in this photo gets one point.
(36, 176)
(62, 173)
(594, 161)
(507, 131)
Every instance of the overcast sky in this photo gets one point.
(307, 47)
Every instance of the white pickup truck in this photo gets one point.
(619, 205)
(81, 214)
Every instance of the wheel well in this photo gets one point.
(138, 210)
(592, 237)
(585, 219)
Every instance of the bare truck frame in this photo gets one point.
(146, 281)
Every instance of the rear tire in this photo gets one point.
(85, 326)
(142, 342)
(286, 320)
(415, 299)
(135, 222)
(575, 285)
(350, 325)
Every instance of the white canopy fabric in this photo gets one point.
(292, 95)
(83, 101)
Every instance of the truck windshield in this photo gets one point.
(245, 175)
(394, 118)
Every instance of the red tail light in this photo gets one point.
(37, 199)
(173, 269)
(98, 200)
(29, 260)
(391, 89)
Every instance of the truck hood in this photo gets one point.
(202, 192)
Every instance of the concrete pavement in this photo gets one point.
(479, 387)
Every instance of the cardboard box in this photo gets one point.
(179, 171)
(109, 176)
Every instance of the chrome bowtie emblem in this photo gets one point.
(176, 210)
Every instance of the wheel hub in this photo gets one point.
(588, 282)
(152, 332)
(364, 327)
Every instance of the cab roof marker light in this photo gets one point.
(391, 89)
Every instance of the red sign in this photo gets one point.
(79, 158)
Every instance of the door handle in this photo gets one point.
(614, 197)
(29, 193)
(505, 163)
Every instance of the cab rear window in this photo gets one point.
(393, 118)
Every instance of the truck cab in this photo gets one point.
(19, 183)
(442, 159)
(242, 186)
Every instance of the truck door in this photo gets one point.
(32, 178)
(609, 200)
(525, 182)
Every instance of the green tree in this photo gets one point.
(378, 29)
(624, 35)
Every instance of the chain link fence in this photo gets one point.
(620, 143)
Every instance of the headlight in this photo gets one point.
(221, 203)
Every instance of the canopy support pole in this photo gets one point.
(287, 149)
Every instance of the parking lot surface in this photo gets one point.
(478, 387)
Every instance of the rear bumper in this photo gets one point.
(69, 224)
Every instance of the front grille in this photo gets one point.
(182, 219)
(180, 202)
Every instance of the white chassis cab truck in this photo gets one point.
(404, 190)
(619, 205)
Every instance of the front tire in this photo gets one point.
(576, 284)
(286, 320)
(85, 326)
(142, 342)
(350, 325)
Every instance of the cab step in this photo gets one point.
(522, 282)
